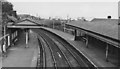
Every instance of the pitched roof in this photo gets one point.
(106, 27)
(27, 22)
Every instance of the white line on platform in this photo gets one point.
(34, 59)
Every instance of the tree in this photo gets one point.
(8, 14)
(7, 7)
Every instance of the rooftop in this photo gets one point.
(106, 27)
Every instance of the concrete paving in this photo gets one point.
(19, 56)
(93, 54)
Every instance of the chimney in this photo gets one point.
(109, 17)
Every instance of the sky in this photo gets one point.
(119, 8)
(64, 8)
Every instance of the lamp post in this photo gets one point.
(53, 24)
(43, 22)
(64, 26)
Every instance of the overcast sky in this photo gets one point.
(84, 8)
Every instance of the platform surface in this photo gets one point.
(19, 56)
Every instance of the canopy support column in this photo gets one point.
(26, 38)
(75, 34)
(107, 51)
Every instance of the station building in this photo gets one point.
(14, 30)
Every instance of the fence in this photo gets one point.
(7, 41)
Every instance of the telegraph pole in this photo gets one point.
(53, 24)
(67, 22)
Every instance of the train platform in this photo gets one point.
(93, 54)
(19, 56)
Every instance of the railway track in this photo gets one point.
(63, 54)
(42, 59)
(76, 54)
(49, 53)
(56, 53)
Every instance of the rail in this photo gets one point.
(54, 61)
(42, 58)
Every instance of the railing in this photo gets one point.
(3, 37)
(7, 41)
(3, 41)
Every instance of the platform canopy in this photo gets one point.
(26, 23)
(106, 27)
